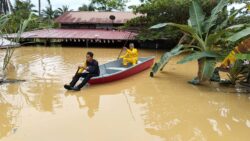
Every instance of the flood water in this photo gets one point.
(139, 108)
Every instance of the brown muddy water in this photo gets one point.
(139, 108)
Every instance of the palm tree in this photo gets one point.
(48, 13)
(39, 7)
(62, 10)
(5, 7)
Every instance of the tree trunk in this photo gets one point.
(206, 69)
(248, 79)
(39, 7)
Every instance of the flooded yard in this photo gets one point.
(139, 108)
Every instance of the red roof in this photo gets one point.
(96, 17)
(77, 34)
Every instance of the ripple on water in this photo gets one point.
(138, 108)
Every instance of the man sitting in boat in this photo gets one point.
(131, 55)
(87, 71)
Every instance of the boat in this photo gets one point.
(113, 71)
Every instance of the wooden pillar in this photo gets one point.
(87, 43)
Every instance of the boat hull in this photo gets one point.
(123, 74)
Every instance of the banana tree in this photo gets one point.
(206, 33)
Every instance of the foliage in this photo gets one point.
(21, 11)
(62, 10)
(48, 13)
(244, 19)
(239, 72)
(9, 50)
(159, 11)
(243, 56)
(109, 5)
(206, 33)
(85, 7)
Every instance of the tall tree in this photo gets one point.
(109, 5)
(62, 10)
(5, 7)
(158, 11)
(21, 11)
(48, 13)
(39, 7)
(85, 7)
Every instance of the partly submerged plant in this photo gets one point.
(207, 34)
(238, 72)
(10, 50)
(246, 64)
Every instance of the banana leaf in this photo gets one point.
(197, 17)
(190, 31)
(228, 19)
(240, 35)
(198, 56)
(214, 15)
(213, 38)
(161, 25)
(166, 57)
(185, 28)
(238, 26)
(3, 21)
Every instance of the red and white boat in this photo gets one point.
(114, 70)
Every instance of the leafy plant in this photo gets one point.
(246, 59)
(158, 11)
(21, 11)
(10, 50)
(85, 7)
(207, 35)
(238, 72)
(109, 5)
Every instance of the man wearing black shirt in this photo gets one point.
(89, 70)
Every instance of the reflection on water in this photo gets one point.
(91, 102)
(136, 108)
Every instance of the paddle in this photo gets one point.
(77, 71)
(124, 46)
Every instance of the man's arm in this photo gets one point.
(126, 54)
(82, 68)
(92, 69)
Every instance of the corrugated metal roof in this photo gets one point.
(77, 34)
(95, 17)
(6, 43)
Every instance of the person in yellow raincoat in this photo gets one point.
(131, 55)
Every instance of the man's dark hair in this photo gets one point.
(91, 54)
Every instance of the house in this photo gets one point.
(86, 29)
(94, 20)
